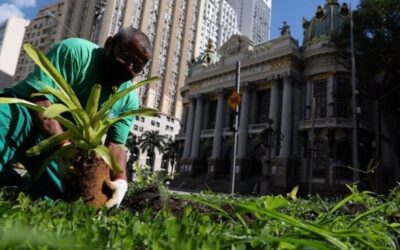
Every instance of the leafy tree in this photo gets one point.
(377, 50)
(150, 141)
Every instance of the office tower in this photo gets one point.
(217, 21)
(11, 36)
(41, 32)
(254, 18)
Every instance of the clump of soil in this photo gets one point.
(86, 178)
(310, 215)
(153, 199)
(353, 208)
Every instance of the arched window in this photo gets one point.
(320, 93)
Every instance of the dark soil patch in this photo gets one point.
(310, 215)
(353, 208)
(152, 199)
(394, 218)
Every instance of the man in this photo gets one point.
(82, 64)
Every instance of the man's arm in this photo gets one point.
(119, 153)
(46, 126)
(118, 183)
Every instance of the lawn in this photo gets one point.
(154, 218)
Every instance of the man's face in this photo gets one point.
(125, 61)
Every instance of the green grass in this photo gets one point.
(269, 222)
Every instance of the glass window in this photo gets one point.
(320, 92)
(263, 101)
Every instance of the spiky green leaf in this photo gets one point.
(108, 104)
(12, 100)
(55, 110)
(48, 68)
(103, 127)
(105, 154)
(93, 103)
(49, 143)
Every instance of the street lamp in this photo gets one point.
(49, 14)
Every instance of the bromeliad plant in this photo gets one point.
(88, 125)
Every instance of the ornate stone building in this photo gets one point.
(305, 92)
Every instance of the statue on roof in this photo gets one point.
(285, 29)
(330, 2)
(305, 23)
(344, 9)
(320, 12)
(209, 56)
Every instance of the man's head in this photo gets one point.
(126, 54)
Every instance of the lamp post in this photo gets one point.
(49, 14)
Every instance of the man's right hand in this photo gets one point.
(46, 126)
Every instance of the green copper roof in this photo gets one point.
(328, 19)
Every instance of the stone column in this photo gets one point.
(219, 122)
(329, 96)
(274, 103)
(189, 129)
(197, 128)
(296, 117)
(274, 109)
(243, 125)
(286, 123)
(308, 100)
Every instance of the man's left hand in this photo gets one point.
(118, 188)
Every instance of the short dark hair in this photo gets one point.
(126, 34)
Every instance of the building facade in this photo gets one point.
(295, 118)
(11, 36)
(253, 18)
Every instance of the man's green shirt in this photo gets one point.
(79, 62)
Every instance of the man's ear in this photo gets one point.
(107, 44)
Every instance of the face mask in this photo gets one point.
(114, 72)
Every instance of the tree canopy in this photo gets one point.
(377, 50)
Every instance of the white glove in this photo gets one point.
(118, 187)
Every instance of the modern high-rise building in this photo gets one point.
(217, 21)
(41, 32)
(254, 18)
(11, 36)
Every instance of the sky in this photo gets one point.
(290, 11)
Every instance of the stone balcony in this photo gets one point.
(332, 122)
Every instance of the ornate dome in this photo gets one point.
(328, 19)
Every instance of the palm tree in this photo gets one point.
(132, 145)
(150, 141)
(171, 152)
